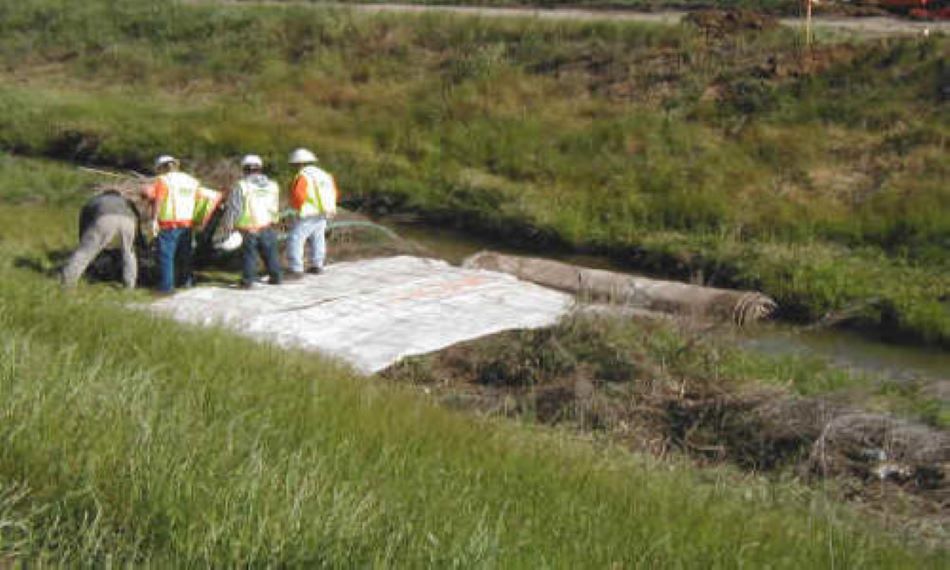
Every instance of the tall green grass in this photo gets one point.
(149, 441)
(128, 439)
(674, 151)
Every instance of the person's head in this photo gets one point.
(302, 157)
(166, 163)
(251, 164)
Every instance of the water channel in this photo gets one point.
(842, 348)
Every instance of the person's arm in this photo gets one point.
(155, 193)
(298, 192)
(275, 206)
(206, 203)
(232, 210)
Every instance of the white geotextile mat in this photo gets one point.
(372, 313)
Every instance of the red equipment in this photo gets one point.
(918, 9)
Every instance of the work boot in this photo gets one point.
(293, 276)
(246, 285)
(315, 270)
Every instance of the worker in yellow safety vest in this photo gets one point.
(252, 208)
(175, 197)
(313, 196)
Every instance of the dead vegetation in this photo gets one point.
(654, 390)
(723, 59)
(722, 23)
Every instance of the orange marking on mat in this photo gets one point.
(442, 290)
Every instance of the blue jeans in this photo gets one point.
(174, 244)
(265, 243)
(312, 229)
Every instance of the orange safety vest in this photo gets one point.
(321, 194)
(177, 194)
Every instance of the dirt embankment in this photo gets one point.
(837, 21)
(660, 392)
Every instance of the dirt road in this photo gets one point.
(864, 27)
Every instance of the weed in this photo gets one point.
(817, 178)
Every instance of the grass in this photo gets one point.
(233, 453)
(817, 178)
(769, 6)
(128, 439)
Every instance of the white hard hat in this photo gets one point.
(164, 159)
(252, 161)
(301, 156)
(233, 242)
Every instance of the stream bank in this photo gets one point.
(860, 350)
(667, 389)
(865, 419)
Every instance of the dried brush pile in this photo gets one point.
(657, 391)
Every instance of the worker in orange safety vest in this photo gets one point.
(313, 196)
(175, 197)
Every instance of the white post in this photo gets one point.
(808, 23)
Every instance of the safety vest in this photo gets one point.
(177, 207)
(321, 193)
(259, 207)
(206, 200)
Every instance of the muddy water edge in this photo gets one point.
(859, 351)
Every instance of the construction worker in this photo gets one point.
(174, 196)
(101, 219)
(313, 195)
(251, 208)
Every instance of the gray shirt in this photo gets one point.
(109, 203)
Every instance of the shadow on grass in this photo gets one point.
(47, 264)
(107, 268)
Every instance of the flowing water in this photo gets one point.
(847, 349)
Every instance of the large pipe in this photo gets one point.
(704, 303)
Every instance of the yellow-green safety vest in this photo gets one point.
(259, 207)
(178, 205)
(321, 193)
(206, 201)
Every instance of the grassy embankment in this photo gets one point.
(770, 6)
(820, 180)
(130, 438)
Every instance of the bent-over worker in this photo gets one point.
(313, 195)
(252, 208)
(101, 219)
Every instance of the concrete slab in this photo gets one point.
(373, 313)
